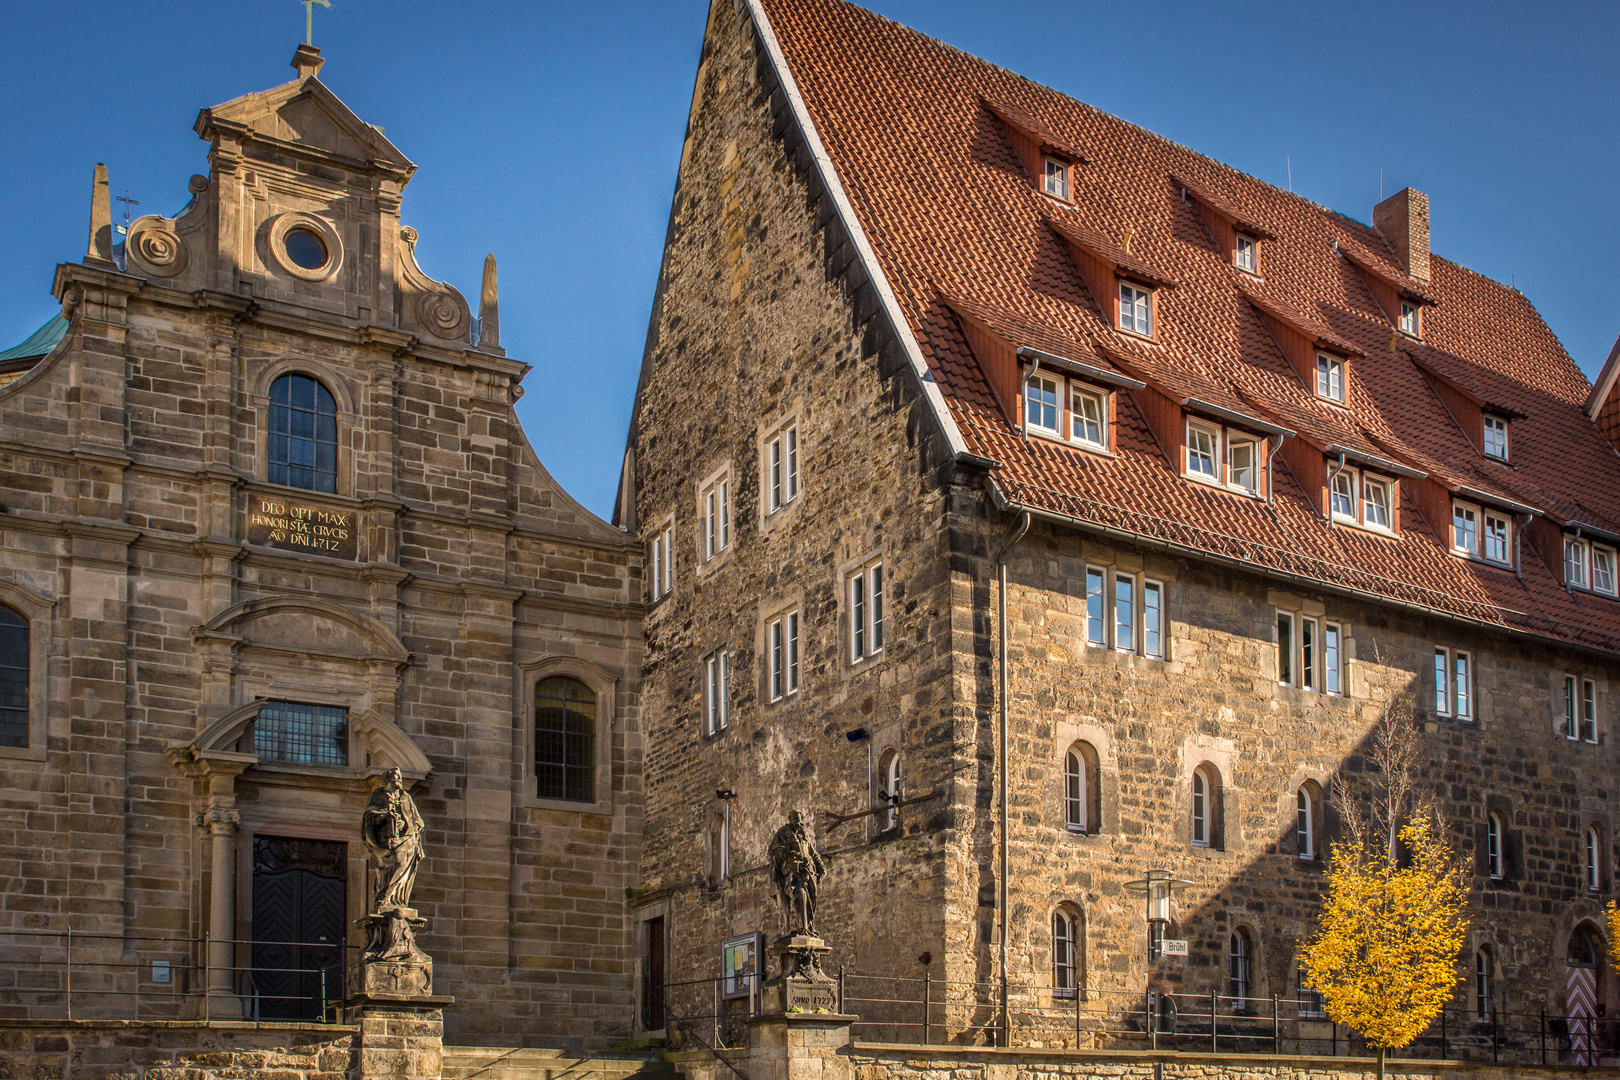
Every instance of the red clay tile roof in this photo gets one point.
(886, 102)
(1244, 222)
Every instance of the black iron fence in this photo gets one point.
(72, 975)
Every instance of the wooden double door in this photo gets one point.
(300, 908)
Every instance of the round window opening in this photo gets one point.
(305, 249)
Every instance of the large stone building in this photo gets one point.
(1077, 505)
(270, 529)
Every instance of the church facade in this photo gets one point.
(271, 529)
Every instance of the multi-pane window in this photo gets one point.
(1329, 377)
(661, 563)
(1049, 397)
(1242, 464)
(1199, 821)
(1332, 658)
(1594, 849)
(1409, 318)
(1311, 1005)
(717, 692)
(1075, 794)
(1041, 405)
(1588, 711)
(1496, 538)
(1465, 528)
(1496, 437)
(1572, 723)
(1203, 451)
(1493, 845)
(1285, 648)
(1589, 566)
(783, 634)
(1375, 503)
(564, 739)
(1603, 579)
(1453, 683)
(866, 600)
(1152, 619)
(1065, 966)
(782, 468)
(1342, 495)
(1307, 654)
(1129, 616)
(1310, 653)
(1056, 179)
(1096, 603)
(1305, 824)
(1357, 498)
(715, 501)
(1484, 977)
(1482, 533)
(1576, 554)
(302, 734)
(14, 675)
(1124, 612)
(1135, 309)
(301, 445)
(1088, 415)
(1245, 254)
(1237, 972)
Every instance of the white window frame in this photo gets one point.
(1577, 562)
(1213, 431)
(1351, 496)
(715, 519)
(1369, 483)
(1594, 854)
(1078, 419)
(1589, 709)
(1103, 605)
(1409, 318)
(1138, 298)
(1495, 841)
(1462, 685)
(717, 692)
(1310, 653)
(782, 655)
(781, 484)
(1494, 523)
(1049, 393)
(1154, 636)
(1097, 607)
(1484, 980)
(1035, 407)
(1289, 677)
(1305, 823)
(1233, 443)
(1075, 793)
(1489, 446)
(1611, 587)
(1123, 631)
(1333, 658)
(1466, 522)
(1239, 972)
(1442, 681)
(661, 562)
(867, 592)
(1202, 812)
(1246, 254)
(1055, 178)
(1332, 374)
(1572, 708)
(1065, 954)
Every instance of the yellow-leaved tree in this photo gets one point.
(1384, 957)
(1614, 935)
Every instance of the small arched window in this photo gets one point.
(1594, 851)
(1305, 822)
(889, 788)
(1237, 971)
(565, 739)
(1065, 954)
(14, 670)
(1493, 846)
(302, 443)
(1484, 980)
(719, 847)
(1205, 822)
(1081, 808)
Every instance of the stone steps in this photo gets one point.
(540, 1063)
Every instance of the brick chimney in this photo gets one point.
(1403, 220)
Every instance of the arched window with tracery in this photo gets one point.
(565, 739)
(1081, 805)
(14, 673)
(302, 442)
(1065, 953)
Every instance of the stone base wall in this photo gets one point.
(217, 1050)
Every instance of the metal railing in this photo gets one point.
(75, 975)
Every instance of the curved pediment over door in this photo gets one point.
(376, 745)
(305, 625)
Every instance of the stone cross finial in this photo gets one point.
(309, 18)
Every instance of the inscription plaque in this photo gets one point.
(294, 525)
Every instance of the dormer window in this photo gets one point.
(1056, 180)
(1203, 450)
(1330, 378)
(1242, 470)
(1041, 408)
(1067, 410)
(1135, 309)
(1589, 566)
(1409, 318)
(1226, 457)
(1603, 579)
(1088, 412)
(1246, 254)
(1358, 498)
(1496, 440)
(1482, 533)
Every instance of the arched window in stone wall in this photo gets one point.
(719, 840)
(14, 677)
(1205, 819)
(889, 789)
(1593, 858)
(1484, 984)
(1308, 821)
(1081, 794)
(1068, 973)
(1239, 964)
(302, 443)
(1495, 841)
(564, 739)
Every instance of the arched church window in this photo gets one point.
(14, 659)
(302, 444)
(565, 739)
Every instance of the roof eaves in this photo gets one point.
(1077, 367)
(1605, 382)
(857, 233)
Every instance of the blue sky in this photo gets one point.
(549, 133)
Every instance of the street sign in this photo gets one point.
(1173, 947)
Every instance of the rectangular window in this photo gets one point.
(1124, 613)
(1329, 377)
(1096, 627)
(1575, 556)
(778, 655)
(655, 567)
(1588, 711)
(1245, 254)
(1442, 682)
(1332, 658)
(783, 645)
(790, 439)
(1409, 318)
(1375, 509)
(1041, 400)
(1285, 648)
(1496, 443)
(1057, 178)
(773, 479)
(1311, 1005)
(792, 652)
(1496, 539)
(302, 734)
(715, 501)
(1462, 687)
(1307, 653)
(1464, 529)
(1090, 418)
(1203, 451)
(711, 522)
(1603, 570)
(1571, 723)
(1240, 465)
(1135, 309)
(866, 612)
(1342, 495)
(1153, 619)
(661, 577)
(717, 692)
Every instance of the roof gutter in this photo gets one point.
(1089, 371)
(857, 235)
(1189, 552)
(1486, 497)
(1243, 420)
(1379, 463)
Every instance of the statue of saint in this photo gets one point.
(392, 829)
(797, 868)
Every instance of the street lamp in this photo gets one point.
(1157, 887)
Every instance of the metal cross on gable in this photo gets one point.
(309, 18)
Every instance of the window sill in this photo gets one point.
(706, 567)
(22, 753)
(865, 663)
(1136, 336)
(1479, 560)
(601, 807)
(777, 702)
(1363, 527)
(1585, 590)
(1047, 435)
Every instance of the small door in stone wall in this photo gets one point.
(299, 914)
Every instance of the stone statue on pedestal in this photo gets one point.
(392, 830)
(797, 869)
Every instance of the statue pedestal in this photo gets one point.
(800, 1046)
(393, 968)
(800, 985)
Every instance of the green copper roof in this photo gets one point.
(40, 342)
